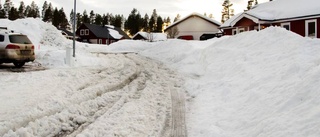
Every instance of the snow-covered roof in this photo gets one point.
(107, 31)
(195, 14)
(284, 9)
(279, 10)
(155, 36)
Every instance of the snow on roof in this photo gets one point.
(115, 34)
(280, 9)
(284, 9)
(196, 14)
(155, 36)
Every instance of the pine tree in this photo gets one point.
(250, 4)
(177, 18)
(105, 19)
(7, 6)
(56, 18)
(34, 10)
(152, 24)
(134, 22)
(13, 14)
(145, 23)
(2, 12)
(48, 15)
(21, 10)
(45, 6)
(227, 12)
(71, 17)
(26, 11)
(79, 19)
(98, 19)
(85, 18)
(92, 15)
(63, 21)
(159, 24)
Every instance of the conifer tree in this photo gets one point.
(105, 19)
(177, 18)
(145, 23)
(48, 15)
(134, 22)
(45, 6)
(227, 11)
(92, 15)
(21, 10)
(159, 24)
(85, 17)
(13, 14)
(63, 21)
(152, 24)
(98, 19)
(56, 18)
(7, 6)
(79, 19)
(2, 13)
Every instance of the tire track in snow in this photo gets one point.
(67, 114)
(151, 85)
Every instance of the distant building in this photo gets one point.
(194, 26)
(299, 16)
(98, 34)
(68, 34)
(152, 37)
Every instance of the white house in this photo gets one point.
(150, 36)
(192, 27)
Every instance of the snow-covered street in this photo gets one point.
(131, 97)
(254, 84)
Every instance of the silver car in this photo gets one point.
(15, 48)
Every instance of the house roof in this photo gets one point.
(107, 31)
(69, 33)
(155, 36)
(278, 10)
(194, 14)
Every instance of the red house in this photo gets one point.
(299, 16)
(98, 34)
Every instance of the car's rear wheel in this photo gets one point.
(18, 64)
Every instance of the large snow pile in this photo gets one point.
(253, 84)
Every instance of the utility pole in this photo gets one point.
(74, 29)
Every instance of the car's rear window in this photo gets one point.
(19, 39)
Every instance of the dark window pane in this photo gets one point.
(311, 28)
(19, 39)
(1, 38)
(286, 27)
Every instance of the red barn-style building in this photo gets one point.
(299, 16)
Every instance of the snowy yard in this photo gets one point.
(253, 84)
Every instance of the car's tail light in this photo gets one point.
(11, 46)
(32, 47)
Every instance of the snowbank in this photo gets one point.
(252, 84)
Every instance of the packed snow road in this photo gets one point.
(132, 96)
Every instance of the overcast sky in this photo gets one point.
(165, 8)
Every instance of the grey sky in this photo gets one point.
(165, 8)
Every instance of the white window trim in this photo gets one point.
(241, 29)
(234, 30)
(287, 23)
(87, 31)
(307, 29)
(100, 41)
(82, 32)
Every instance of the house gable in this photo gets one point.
(195, 25)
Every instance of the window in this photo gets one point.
(1, 38)
(82, 32)
(234, 31)
(311, 28)
(241, 30)
(19, 39)
(100, 41)
(286, 25)
(87, 32)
